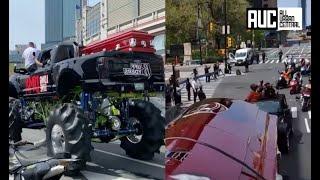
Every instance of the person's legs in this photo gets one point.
(189, 95)
(195, 94)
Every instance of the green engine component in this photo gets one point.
(115, 111)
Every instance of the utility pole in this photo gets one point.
(198, 34)
(225, 36)
(253, 42)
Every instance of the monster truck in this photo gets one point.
(102, 96)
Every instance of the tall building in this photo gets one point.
(303, 5)
(21, 47)
(16, 55)
(59, 21)
(120, 16)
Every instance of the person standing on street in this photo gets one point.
(263, 56)
(29, 56)
(229, 68)
(280, 55)
(195, 72)
(216, 70)
(195, 87)
(206, 71)
(220, 70)
(188, 87)
(201, 94)
(246, 65)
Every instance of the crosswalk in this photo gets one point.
(207, 87)
(295, 52)
(276, 60)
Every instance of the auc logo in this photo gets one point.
(274, 18)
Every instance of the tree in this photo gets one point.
(181, 19)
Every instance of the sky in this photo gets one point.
(26, 22)
(26, 19)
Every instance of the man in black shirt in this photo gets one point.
(206, 71)
(188, 87)
(263, 56)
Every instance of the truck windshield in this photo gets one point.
(241, 54)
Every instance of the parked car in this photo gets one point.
(243, 55)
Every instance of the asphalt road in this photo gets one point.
(297, 164)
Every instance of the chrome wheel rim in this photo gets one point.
(135, 138)
(57, 139)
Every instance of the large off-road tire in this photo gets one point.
(68, 132)
(151, 124)
(15, 122)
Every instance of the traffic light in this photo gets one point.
(211, 26)
(229, 41)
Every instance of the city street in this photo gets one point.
(297, 164)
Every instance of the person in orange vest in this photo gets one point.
(254, 95)
(287, 74)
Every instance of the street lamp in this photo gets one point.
(198, 35)
(225, 36)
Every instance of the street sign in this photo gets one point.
(223, 29)
(243, 45)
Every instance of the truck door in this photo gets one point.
(39, 82)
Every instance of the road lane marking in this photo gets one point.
(309, 113)
(272, 61)
(278, 61)
(136, 160)
(307, 125)
(267, 61)
(273, 52)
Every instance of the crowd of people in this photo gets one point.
(193, 85)
(261, 91)
(216, 71)
(292, 71)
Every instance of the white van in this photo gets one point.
(241, 56)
